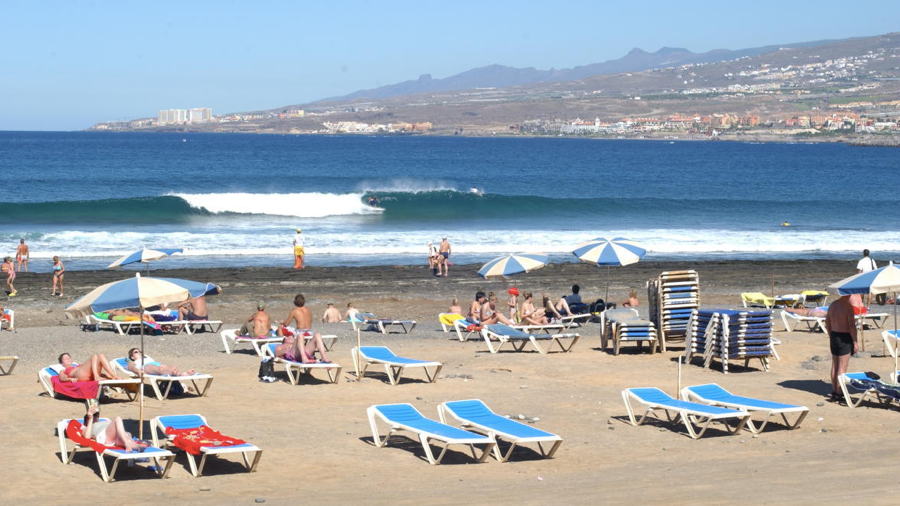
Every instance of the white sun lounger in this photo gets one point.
(714, 395)
(108, 475)
(574, 321)
(461, 326)
(891, 342)
(792, 321)
(13, 361)
(505, 334)
(161, 439)
(45, 376)
(407, 418)
(473, 413)
(858, 383)
(230, 340)
(122, 327)
(393, 365)
(384, 325)
(155, 381)
(294, 369)
(691, 413)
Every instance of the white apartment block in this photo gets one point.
(180, 116)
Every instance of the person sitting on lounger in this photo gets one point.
(454, 307)
(294, 344)
(816, 312)
(109, 432)
(474, 314)
(632, 300)
(489, 313)
(194, 309)
(529, 314)
(95, 368)
(259, 323)
(559, 310)
(136, 362)
(351, 312)
(331, 314)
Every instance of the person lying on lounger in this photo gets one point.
(136, 362)
(816, 312)
(109, 432)
(125, 315)
(297, 349)
(559, 310)
(95, 368)
(530, 315)
(489, 313)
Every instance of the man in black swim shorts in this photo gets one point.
(840, 322)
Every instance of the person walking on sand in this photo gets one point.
(444, 251)
(22, 256)
(840, 323)
(59, 271)
(866, 264)
(298, 249)
(10, 269)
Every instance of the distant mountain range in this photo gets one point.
(501, 76)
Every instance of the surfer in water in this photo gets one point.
(373, 201)
(476, 191)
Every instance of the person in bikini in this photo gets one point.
(137, 362)
(109, 432)
(489, 313)
(294, 346)
(474, 314)
(22, 256)
(59, 270)
(530, 315)
(95, 369)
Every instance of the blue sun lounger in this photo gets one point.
(714, 395)
(407, 418)
(866, 387)
(505, 334)
(393, 364)
(475, 414)
(158, 428)
(691, 413)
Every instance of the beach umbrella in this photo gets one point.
(883, 280)
(144, 255)
(610, 252)
(139, 292)
(515, 263)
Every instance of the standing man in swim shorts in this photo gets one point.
(444, 250)
(22, 256)
(298, 249)
(840, 323)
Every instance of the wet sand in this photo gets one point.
(317, 442)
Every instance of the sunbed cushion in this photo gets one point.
(657, 396)
(385, 354)
(405, 414)
(477, 412)
(506, 330)
(714, 392)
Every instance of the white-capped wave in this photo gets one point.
(301, 205)
(405, 185)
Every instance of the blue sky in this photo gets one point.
(65, 65)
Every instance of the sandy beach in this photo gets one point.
(316, 439)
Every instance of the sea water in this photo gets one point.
(235, 200)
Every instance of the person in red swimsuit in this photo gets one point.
(95, 368)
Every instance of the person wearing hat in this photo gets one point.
(259, 324)
(298, 249)
(513, 304)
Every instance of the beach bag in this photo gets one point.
(579, 308)
(177, 387)
(266, 368)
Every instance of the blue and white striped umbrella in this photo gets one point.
(618, 251)
(515, 263)
(144, 255)
(883, 280)
(139, 292)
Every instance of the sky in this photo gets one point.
(65, 65)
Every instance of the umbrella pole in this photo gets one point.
(896, 350)
(358, 346)
(141, 375)
(607, 285)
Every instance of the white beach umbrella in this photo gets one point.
(610, 252)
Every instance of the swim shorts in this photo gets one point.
(841, 343)
(193, 317)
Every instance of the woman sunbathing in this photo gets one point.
(295, 349)
(530, 315)
(136, 362)
(816, 312)
(109, 432)
(95, 368)
(562, 305)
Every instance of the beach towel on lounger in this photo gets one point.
(73, 432)
(76, 389)
(193, 439)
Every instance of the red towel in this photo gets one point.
(73, 432)
(77, 389)
(191, 440)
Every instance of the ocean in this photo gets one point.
(235, 200)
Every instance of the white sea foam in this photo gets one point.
(302, 205)
(405, 186)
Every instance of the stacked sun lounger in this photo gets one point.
(729, 335)
(622, 325)
(672, 296)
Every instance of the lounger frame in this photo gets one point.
(445, 411)
(693, 415)
(157, 454)
(792, 321)
(393, 368)
(295, 369)
(384, 326)
(867, 394)
(155, 380)
(425, 438)
(690, 394)
(519, 343)
(46, 380)
(13, 359)
(158, 428)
